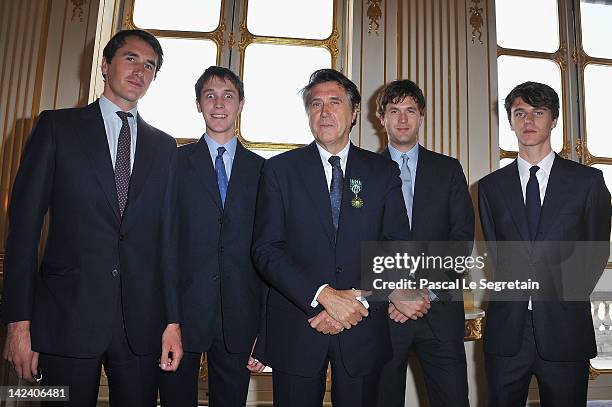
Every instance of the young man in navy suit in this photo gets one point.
(440, 210)
(221, 293)
(548, 219)
(316, 205)
(106, 290)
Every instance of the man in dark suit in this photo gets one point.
(221, 293)
(544, 209)
(440, 210)
(316, 205)
(106, 290)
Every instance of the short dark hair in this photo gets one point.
(118, 41)
(535, 94)
(221, 73)
(331, 75)
(395, 92)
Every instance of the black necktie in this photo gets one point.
(122, 161)
(532, 202)
(335, 189)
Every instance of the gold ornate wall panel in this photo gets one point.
(23, 30)
(45, 63)
(429, 42)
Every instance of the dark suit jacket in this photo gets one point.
(295, 251)
(576, 209)
(442, 211)
(217, 273)
(94, 259)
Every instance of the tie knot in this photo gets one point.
(334, 160)
(124, 115)
(220, 151)
(405, 158)
(534, 169)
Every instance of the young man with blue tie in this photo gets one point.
(221, 294)
(535, 212)
(440, 210)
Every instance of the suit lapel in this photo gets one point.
(513, 196)
(146, 153)
(239, 178)
(423, 183)
(202, 165)
(556, 189)
(315, 184)
(95, 145)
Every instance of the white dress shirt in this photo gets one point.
(112, 125)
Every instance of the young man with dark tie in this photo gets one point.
(547, 219)
(221, 294)
(105, 293)
(440, 210)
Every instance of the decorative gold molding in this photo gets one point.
(77, 7)
(473, 329)
(560, 56)
(231, 42)
(476, 20)
(507, 154)
(374, 14)
(218, 35)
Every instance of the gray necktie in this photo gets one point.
(122, 161)
(406, 185)
(335, 189)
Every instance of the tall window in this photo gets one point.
(530, 48)
(274, 45)
(564, 44)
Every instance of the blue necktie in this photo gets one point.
(533, 203)
(221, 174)
(406, 177)
(335, 189)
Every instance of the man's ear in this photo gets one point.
(198, 106)
(240, 106)
(104, 67)
(554, 123)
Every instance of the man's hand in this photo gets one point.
(325, 324)
(343, 306)
(412, 304)
(395, 315)
(171, 343)
(18, 350)
(254, 365)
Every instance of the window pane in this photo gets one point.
(512, 71)
(273, 76)
(291, 18)
(596, 28)
(179, 15)
(597, 80)
(527, 24)
(170, 102)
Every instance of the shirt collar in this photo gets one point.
(343, 154)
(545, 165)
(413, 155)
(109, 109)
(230, 146)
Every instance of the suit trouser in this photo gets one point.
(228, 377)
(443, 363)
(561, 384)
(132, 379)
(346, 391)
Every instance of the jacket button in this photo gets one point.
(220, 249)
(220, 220)
(215, 277)
(338, 269)
(121, 237)
(115, 272)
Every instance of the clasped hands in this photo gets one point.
(342, 311)
(408, 304)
